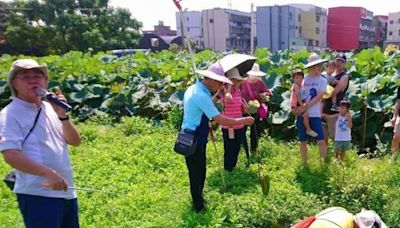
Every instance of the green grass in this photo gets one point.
(134, 159)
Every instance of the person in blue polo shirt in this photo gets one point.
(198, 109)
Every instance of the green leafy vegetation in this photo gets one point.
(149, 184)
(151, 85)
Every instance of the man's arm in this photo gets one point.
(315, 100)
(341, 85)
(71, 133)
(224, 120)
(395, 112)
(19, 161)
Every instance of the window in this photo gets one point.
(398, 21)
(211, 20)
(317, 18)
(290, 15)
(317, 43)
(399, 32)
(299, 18)
(300, 29)
(188, 29)
(293, 43)
(317, 30)
(391, 22)
(390, 33)
(310, 42)
(187, 18)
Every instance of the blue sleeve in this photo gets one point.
(207, 106)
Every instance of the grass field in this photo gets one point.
(134, 160)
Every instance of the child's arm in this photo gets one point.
(297, 91)
(349, 120)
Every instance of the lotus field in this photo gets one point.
(128, 110)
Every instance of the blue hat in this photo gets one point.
(341, 56)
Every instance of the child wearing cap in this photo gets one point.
(296, 99)
(344, 124)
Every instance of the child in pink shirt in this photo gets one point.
(296, 99)
(234, 136)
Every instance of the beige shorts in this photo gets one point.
(330, 126)
(397, 126)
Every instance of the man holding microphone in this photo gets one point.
(34, 139)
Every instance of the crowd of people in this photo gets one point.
(35, 134)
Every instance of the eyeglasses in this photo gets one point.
(37, 77)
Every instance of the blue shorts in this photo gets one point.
(45, 212)
(315, 124)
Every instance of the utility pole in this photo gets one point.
(251, 31)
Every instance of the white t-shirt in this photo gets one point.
(342, 130)
(311, 87)
(45, 145)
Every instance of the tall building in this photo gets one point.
(278, 28)
(393, 30)
(350, 28)
(194, 27)
(162, 30)
(380, 24)
(314, 26)
(225, 30)
(294, 26)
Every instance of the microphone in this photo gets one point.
(52, 98)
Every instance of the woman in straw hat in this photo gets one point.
(198, 109)
(314, 87)
(254, 88)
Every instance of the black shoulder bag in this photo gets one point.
(186, 142)
(10, 178)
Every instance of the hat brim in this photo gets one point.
(214, 76)
(237, 77)
(315, 63)
(341, 59)
(256, 73)
(242, 62)
(16, 69)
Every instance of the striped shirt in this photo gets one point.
(233, 108)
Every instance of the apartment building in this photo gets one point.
(225, 30)
(293, 26)
(279, 28)
(314, 21)
(350, 28)
(194, 27)
(380, 24)
(393, 30)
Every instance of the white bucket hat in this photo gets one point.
(367, 219)
(314, 59)
(215, 72)
(24, 64)
(255, 70)
(234, 74)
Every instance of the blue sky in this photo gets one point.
(151, 11)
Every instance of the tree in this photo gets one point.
(57, 26)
